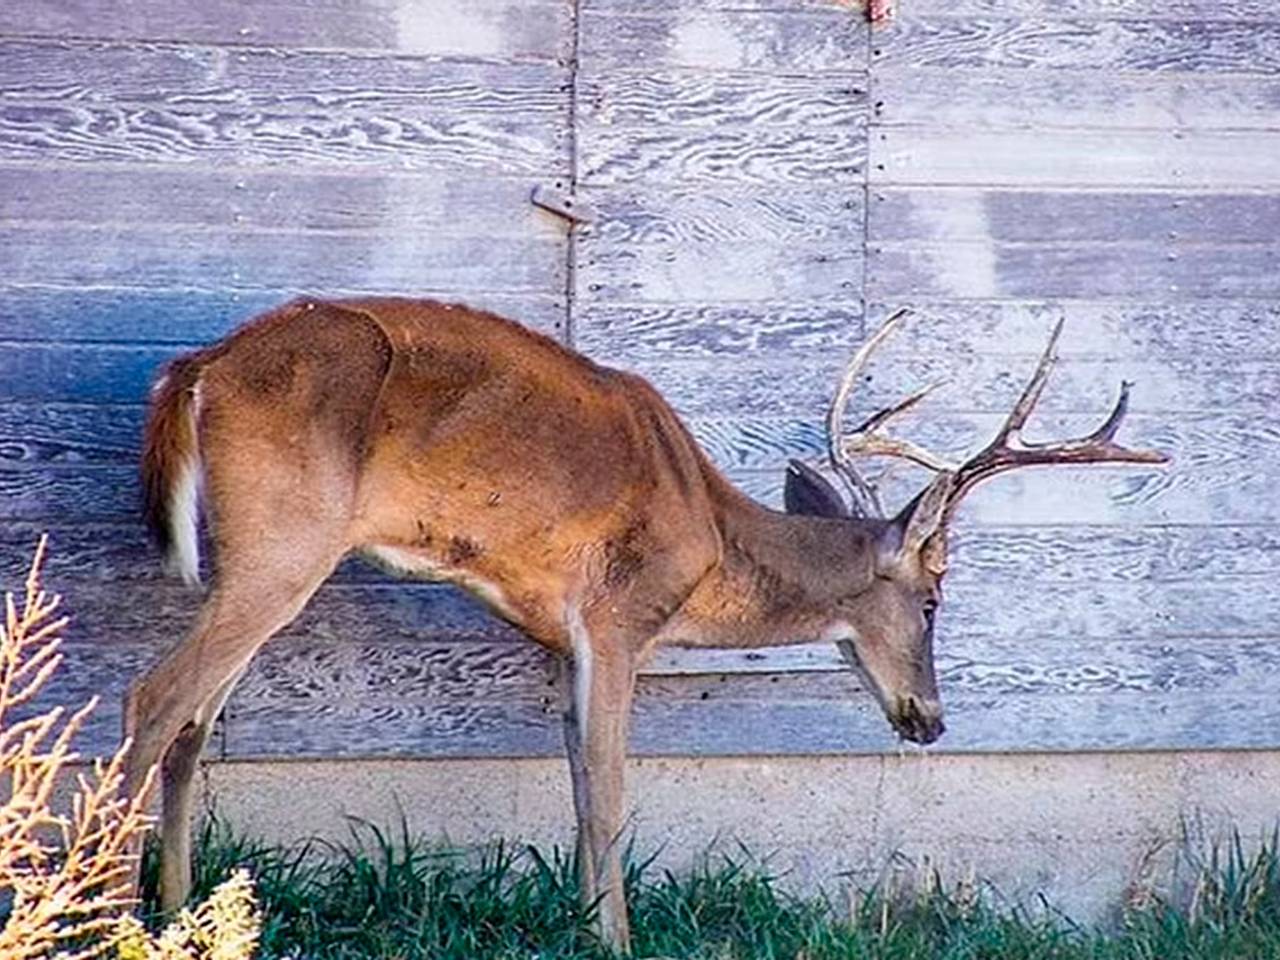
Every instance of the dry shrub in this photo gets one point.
(67, 877)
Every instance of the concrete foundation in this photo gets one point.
(1085, 831)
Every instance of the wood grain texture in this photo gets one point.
(502, 29)
(1225, 10)
(1115, 329)
(726, 270)
(727, 714)
(694, 98)
(1227, 160)
(196, 317)
(234, 259)
(832, 8)
(165, 75)
(429, 204)
(757, 387)
(90, 555)
(1165, 219)
(1192, 493)
(797, 43)
(1190, 47)
(398, 139)
(984, 383)
(629, 333)
(1222, 459)
(167, 170)
(767, 155)
(984, 269)
(1084, 495)
(313, 696)
(1212, 442)
(1057, 621)
(1010, 97)
(638, 214)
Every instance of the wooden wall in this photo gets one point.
(755, 172)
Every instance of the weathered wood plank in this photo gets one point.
(502, 29)
(1067, 98)
(399, 139)
(760, 388)
(158, 315)
(745, 156)
(1219, 443)
(1050, 617)
(61, 435)
(985, 269)
(164, 75)
(799, 43)
(710, 715)
(481, 695)
(1105, 9)
(1194, 46)
(725, 270)
(695, 98)
(726, 727)
(1185, 494)
(1230, 160)
(625, 333)
(341, 615)
(832, 8)
(431, 204)
(1084, 495)
(1214, 453)
(1223, 328)
(1163, 218)
(639, 214)
(86, 556)
(984, 383)
(234, 259)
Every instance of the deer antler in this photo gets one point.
(1008, 451)
(866, 440)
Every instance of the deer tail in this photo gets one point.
(171, 468)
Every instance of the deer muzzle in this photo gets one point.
(919, 721)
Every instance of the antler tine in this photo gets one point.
(865, 440)
(1008, 450)
(1035, 386)
(835, 416)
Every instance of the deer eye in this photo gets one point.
(930, 610)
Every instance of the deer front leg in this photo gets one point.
(596, 725)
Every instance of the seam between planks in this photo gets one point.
(571, 233)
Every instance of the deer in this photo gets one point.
(447, 443)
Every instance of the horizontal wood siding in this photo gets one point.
(1114, 164)
(168, 170)
(764, 180)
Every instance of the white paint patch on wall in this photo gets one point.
(453, 25)
(713, 40)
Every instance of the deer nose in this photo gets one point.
(920, 721)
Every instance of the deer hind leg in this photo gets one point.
(263, 582)
(597, 720)
(177, 778)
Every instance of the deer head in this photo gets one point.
(893, 616)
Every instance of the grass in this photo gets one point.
(382, 895)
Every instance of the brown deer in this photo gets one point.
(454, 445)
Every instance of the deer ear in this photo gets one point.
(920, 524)
(809, 492)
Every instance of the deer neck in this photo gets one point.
(779, 580)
